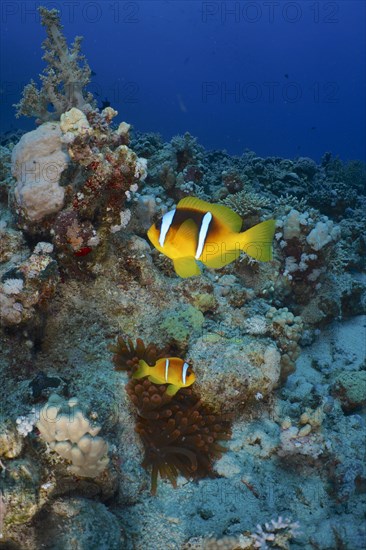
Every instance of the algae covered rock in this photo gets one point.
(79, 523)
(11, 442)
(21, 492)
(350, 388)
(232, 371)
(181, 323)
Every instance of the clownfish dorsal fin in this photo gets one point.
(230, 219)
(186, 267)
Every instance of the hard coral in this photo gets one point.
(246, 202)
(71, 435)
(63, 80)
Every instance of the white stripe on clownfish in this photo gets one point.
(166, 369)
(206, 220)
(184, 372)
(166, 222)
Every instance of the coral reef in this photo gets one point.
(74, 174)
(271, 427)
(101, 173)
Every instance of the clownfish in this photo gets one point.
(172, 370)
(210, 233)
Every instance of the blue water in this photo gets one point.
(280, 78)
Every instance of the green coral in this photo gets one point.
(180, 324)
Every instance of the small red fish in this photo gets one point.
(84, 251)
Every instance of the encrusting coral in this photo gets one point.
(180, 434)
(38, 160)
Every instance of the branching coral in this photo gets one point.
(246, 202)
(180, 434)
(63, 80)
(274, 534)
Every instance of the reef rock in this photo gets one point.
(231, 372)
(350, 388)
(80, 523)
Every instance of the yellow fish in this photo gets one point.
(210, 233)
(172, 370)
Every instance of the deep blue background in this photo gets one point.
(280, 78)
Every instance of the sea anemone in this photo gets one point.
(180, 434)
(127, 355)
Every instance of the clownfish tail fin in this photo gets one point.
(257, 241)
(142, 370)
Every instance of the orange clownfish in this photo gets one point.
(209, 233)
(172, 370)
